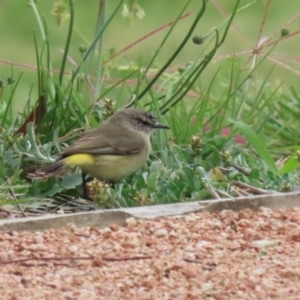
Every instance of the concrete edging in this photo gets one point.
(103, 218)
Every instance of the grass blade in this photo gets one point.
(256, 143)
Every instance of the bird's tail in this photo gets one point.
(57, 168)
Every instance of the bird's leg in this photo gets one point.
(84, 181)
(112, 183)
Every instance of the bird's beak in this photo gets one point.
(161, 126)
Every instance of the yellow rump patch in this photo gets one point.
(80, 160)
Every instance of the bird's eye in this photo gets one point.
(148, 120)
(144, 122)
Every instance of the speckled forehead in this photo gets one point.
(150, 116)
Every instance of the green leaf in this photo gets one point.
(188, 176)
(290, 165)
(212, 155)
(70, 181)
(152, 181)
(254, 174)
(155, 167)
(256, 143)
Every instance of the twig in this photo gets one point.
(128, 82)
(266, 11)
(143, 38)
(74, 64)
(223, 193)
(11, 192)
(253, 189)
(240, 192)
(226, 15)
(240, 169)
(284, 65)
(34, 265)
(70, 59)
(23, 260)
(243, 171)
(281, 161)
(126, 258)
(224, 170)
(82, 235)
(131, 101)
(212, 191)
(197, 261)
(17, 203)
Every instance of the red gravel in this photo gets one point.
(225, 255)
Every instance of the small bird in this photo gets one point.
(117, 148)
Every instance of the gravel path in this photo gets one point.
(225, 255)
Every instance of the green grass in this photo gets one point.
(118, 35)
(207, 105)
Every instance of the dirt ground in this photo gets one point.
(224, 255)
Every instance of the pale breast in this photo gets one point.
(115, 167)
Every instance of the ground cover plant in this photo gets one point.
(234, 134)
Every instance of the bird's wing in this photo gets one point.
(104, 142)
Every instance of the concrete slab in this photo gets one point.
(97, 218)
(103, 218)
